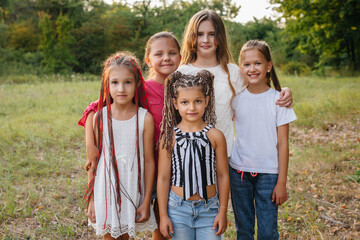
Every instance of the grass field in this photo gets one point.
(42, 179)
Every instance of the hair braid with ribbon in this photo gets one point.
(128, 60)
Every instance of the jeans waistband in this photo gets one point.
(181, 201)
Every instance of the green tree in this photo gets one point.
(24, 35)
(55, 44)
(327, 30)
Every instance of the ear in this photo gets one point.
(269, 66)
(148, 62)
(207, 101)
(175, 103)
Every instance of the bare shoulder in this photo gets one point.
(215, 136)
(149, 118)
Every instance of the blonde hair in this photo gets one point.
(171, 116)
(151, 40)
(189, 43)
(265, 50)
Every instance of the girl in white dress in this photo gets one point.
(120, 183)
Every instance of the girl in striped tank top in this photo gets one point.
(193, 159)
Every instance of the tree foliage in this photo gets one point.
(76, 35)
(328, 30)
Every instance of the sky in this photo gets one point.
(249, 9)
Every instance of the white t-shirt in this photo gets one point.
(256, 119)
(223, 95)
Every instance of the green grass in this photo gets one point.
(42, 180)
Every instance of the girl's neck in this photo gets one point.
(257, 88)
(205, 62)
(159, 78)
(123, 111)
(185, 126)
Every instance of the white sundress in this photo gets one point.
(108, 217)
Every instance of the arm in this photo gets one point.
(91, 208)
(223, 182)
(163, 183)
(285, 99)
(91, 149)
(149, 168)
(279, 195)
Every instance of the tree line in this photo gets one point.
(62, 36)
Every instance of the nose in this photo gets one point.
(252, 67)
(191, 106)
(166, 56)
(206, 38)
(121, 87)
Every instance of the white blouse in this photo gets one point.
(223, 95)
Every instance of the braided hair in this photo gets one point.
(119, 59)
(171, 116)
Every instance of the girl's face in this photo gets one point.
(164, 57)
(206, 40)
(122, 85)
(191, 103)
(254, 67)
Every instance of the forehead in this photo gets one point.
(120, 72)
(190, 92)
(206, 25)
(252, 54)
(164, 44)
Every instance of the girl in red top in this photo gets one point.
(162, 55)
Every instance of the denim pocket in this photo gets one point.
(172, 202)
(214, 207)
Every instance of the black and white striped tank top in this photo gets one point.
(193, 162)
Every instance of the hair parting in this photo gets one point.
(265, 50)
(127, 60)
(171, 116)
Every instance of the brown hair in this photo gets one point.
(119, 59)
(264, 48)
(189, 43)
(171, 116)
(154, 37)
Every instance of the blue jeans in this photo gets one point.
(193, 219)
(250, 195)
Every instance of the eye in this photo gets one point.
(183, 102)
(212, 34)
(114, 82)
(128, 82)
(173, 53)
(258, 63)
(199, 101)
(246, 64)
(200, 34)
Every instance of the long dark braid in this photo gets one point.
(171, 116)
(128, 60)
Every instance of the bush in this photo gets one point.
(296, 68)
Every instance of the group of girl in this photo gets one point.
(163, 130)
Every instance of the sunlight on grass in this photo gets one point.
(42, 180)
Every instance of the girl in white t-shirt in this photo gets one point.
(259, 160)
(205, 47)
